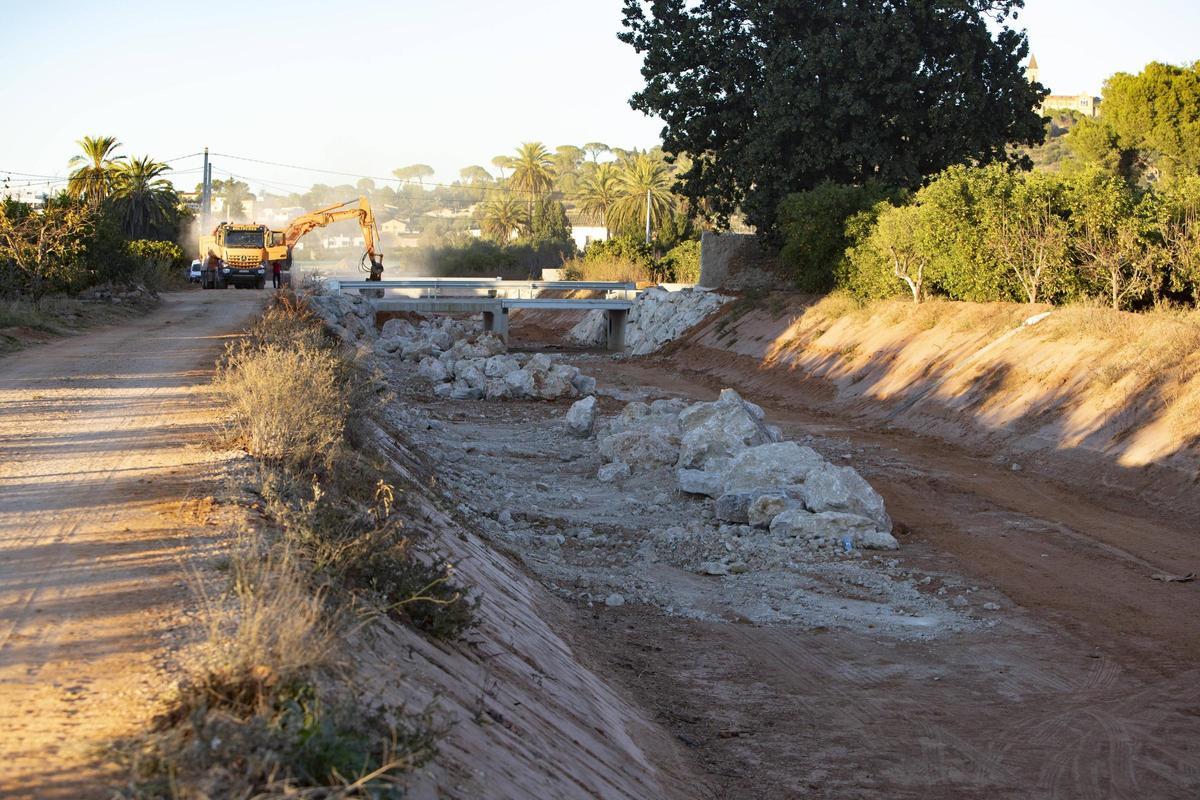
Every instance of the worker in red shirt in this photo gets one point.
(275, 276)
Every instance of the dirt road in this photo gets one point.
(103, 470)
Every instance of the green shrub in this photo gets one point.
(865, 271)
(682, 263)
(813, 227)
(621, 248)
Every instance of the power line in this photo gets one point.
(26, 174)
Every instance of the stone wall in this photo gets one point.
(736, 261)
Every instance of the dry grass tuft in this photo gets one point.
(286, 405)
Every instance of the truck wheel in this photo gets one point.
(262, 283)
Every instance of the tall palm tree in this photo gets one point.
(532, 173)
(500, 216)
(92, 181)
(143, 198)
(643, 178)
(598, 192)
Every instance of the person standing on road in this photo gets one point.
(275, 276)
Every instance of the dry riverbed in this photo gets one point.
(794, 672)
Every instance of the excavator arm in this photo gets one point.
(336, 213)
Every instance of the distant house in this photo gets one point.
(331, 242)
(585, 231)
(394, 227)
(1085, 104)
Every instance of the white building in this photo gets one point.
(586, 234)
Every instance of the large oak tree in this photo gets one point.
(775, 96)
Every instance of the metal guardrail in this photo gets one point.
(492, 285)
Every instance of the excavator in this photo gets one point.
(241, 254)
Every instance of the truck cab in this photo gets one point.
(235, 255)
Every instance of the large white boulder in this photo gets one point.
(659, 316)
(778, 465)
(581, 417)
(640, 449)
(831, 488)
(433, 369)
(498, 366)
(697, 481)
(591, 331)
(713, 433)
(470, 373)
(519, 383)
(398, 327)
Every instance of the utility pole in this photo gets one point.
(205, 193)
(647, 216)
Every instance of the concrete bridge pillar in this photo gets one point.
(616, 329)
(497, 322)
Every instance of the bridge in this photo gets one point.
(488, 296)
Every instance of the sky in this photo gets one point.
(369, 86)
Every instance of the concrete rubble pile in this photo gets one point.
(724, 450)
(657, 317)
(465, 363)
(350, 317)
(462, 361)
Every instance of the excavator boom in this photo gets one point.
(336, 213)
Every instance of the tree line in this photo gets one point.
(118, 219)
(1117, 218)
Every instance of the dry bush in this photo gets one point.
(288, 322)
(286, 404)
(270, 631)
(610, 269)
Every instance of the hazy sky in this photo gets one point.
(368, 86)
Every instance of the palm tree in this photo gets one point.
(93, 180)
(500, 216)
(533, 172)
(598, 191)
(143, 198)
(642, 177)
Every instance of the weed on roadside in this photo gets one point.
(267, 710)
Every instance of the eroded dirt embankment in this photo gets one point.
(1112, 397)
